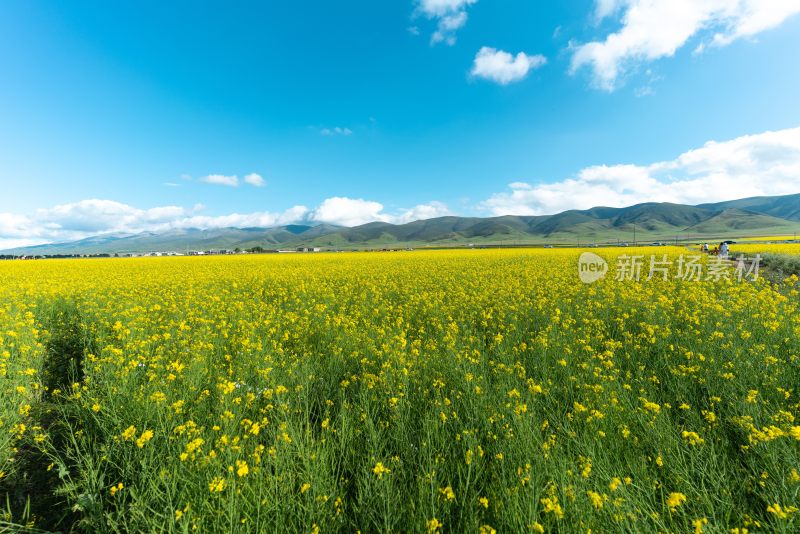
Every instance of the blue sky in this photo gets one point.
(353, 111)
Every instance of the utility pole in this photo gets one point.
(634, 234)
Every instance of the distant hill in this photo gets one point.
(783, 207)
(649, 221)
(738, 220)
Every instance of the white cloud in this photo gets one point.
(346, 211)
(450, 16)
(438, 8)
(447, 27)
(78, 220)
(8, 244)
(97, 216)
(653, 29)
(262, 219)
(423, 211)
(336, 131)
(349, 211)
(16, 230)
(503, 68)
(221, 179)
(605, 8)
(67, 222)
(751, 165)
(255, 180)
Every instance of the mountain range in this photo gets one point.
(756, 216)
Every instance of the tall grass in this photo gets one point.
(782, 265)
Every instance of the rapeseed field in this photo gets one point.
(470, 391)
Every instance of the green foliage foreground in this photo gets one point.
(454, 392)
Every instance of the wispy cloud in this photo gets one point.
(255, 180)
(450, 16)
(752, 165)
(653, 29)
(502, 67)
(221, 179)
(338, 130)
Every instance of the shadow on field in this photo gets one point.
(30, 493)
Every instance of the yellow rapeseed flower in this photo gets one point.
(129, 433)
(447, 493)
(241, 468)
(217, 485)
(380, 470)
(675, 499)
(146, 436)
(692, 437)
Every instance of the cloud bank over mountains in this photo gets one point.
(767, 163)
(752, 165)
(77, 220)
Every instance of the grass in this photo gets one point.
(430, 391)
(782, 265)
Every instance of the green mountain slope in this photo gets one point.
(741, 220)
(783, 207)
